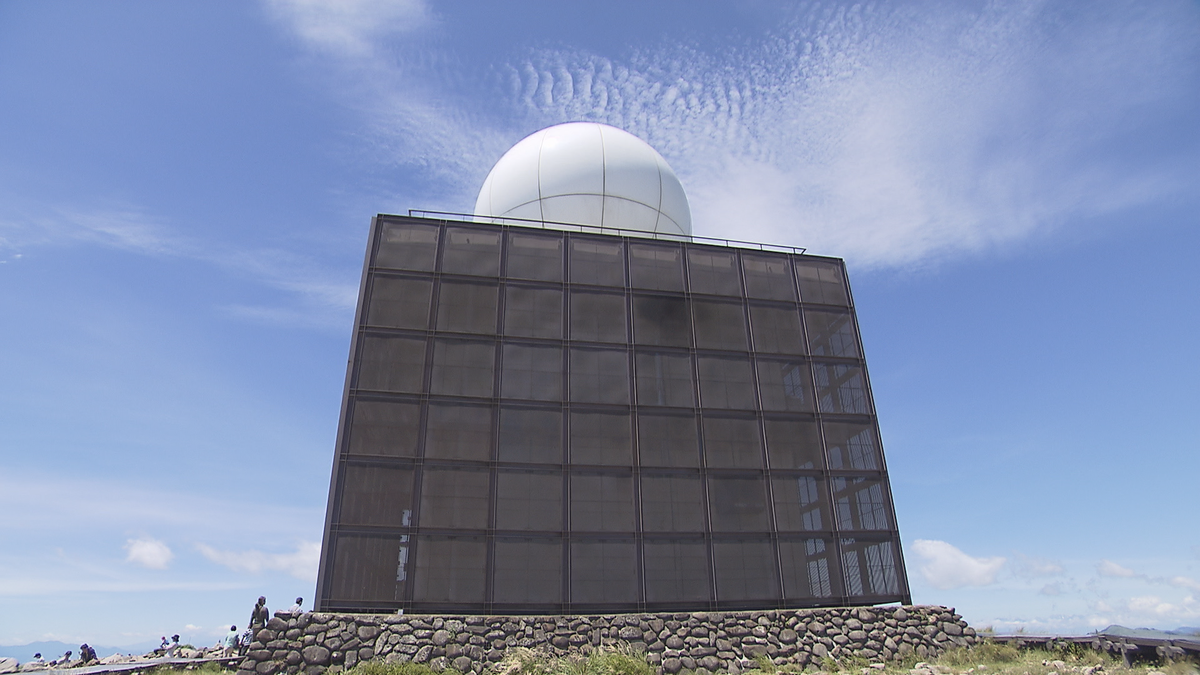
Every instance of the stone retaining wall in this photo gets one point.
(706, 642)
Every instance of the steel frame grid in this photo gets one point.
(833, 537)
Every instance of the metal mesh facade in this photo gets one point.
(538, 421)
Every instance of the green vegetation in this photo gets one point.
(987, 658)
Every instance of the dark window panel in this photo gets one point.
(668, 440)
(533, 312)
(726, 383)
(821, 282)
(656, 267)
(450, 570)
(665, 380)
(529, 501)
(604, 572)
(601, 438)
(472, 251)
(459, 432)
(661, 321)
(776, 330)
(841, 388)
(676, 571)
(533, 373)
(454, 499)
(399, 303)
(672, 503)
(732, 443)
(831, 333)
(462, 368)
(738, 504)
(532, 436)
(369, 568)
(597, 261)
(714, 272)
(535, 256)
(768, 277)
(719, 325)
(785, 385)
(600, 376)
(745, 570)
(598, 317)
(809, 568)
(794, 444)
(376, 495)
(602, 503)
(391, 364)
(407, 246)
(388, 428)
(869, 567)
(852, 446)
(800, 504)
(860, 504)
(467, 307)
(528, 571)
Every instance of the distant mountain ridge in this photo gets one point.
(53, 649)
(1181, 632)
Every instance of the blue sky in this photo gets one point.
(186, 188)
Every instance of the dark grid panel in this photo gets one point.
(598, 317)
(677, 571)
(450, 570)
(528, 571)
(388, 428)
(472, 250)
(368, 568)
(537, 257)
(531, 435)
(376, 495)
(746, 572)
(822, 281)
(656, 267)
(400, 302)
(870, 567)
(698, 407)
(672, 502)
(533, 312)
(809, 568)
(604, 572)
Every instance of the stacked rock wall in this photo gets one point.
(706, 642)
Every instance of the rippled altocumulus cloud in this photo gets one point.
(890, 133)
(897, 134)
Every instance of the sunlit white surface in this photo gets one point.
(588, 174)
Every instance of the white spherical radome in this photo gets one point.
(586, 173)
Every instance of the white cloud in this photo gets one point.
(1184, 582)
(350, 27)
(301, 563)
(1032, 567)
(945, 566)
(1108, 568)
(890, 135)
(1051, 589)
(322, 297)
(148, 552)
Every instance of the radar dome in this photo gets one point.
(587, 174)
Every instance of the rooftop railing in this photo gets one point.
(600, 229)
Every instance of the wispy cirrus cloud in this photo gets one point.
(892, 134)
(317, 295)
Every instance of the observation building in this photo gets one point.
(565, 403)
